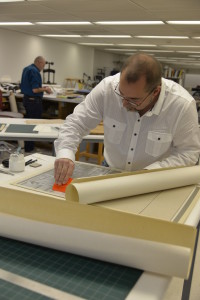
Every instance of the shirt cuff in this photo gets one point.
(65, 153)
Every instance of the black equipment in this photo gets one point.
(49, 71)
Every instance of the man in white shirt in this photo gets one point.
(149, 122)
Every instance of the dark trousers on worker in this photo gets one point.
(33, 106)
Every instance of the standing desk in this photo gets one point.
(40, 273)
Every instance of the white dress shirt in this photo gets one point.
(166, 136)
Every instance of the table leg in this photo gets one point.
(187, 283)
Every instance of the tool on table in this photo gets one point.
(62, 187)
(30, 161)
(6, 172)
(5, 162)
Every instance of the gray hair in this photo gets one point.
(38, 59)
(139, 65)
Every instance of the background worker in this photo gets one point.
(149, 122)
(31, 87)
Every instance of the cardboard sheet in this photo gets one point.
(104, 188)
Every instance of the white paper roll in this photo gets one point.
(87, 191)
(13, 104)
(166, 259)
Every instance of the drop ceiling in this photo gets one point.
(183, 51)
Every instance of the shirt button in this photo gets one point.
(159, 139)
(132, 149)
(135, 134)
(113, 125)
(138, 120)
(129, 163)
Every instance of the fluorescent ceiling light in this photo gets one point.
(11, 1)
(64, 23)
(184, 22)
(171, 60)
(187, 52)
(186, 63)
(194, 55)
(129, 23)
(180, 58)
(196, 37)
(177, 58)
(117, 49)
(180, 46)
(61, 35)
(96, 44)
(161, 37)
(108, 36)
(136, 45)
(165, 51)
(129, 54)
(15, 23)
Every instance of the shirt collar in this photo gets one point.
(35, 67)
(159, 103)
(115, 81)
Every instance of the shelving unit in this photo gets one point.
(177, 75)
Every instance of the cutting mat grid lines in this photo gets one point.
(10, 291)
(84, 277)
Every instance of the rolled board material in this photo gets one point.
(104, 188)
(157, 257)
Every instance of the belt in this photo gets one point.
(32, 98)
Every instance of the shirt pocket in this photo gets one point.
(114, 130)
(158, 143)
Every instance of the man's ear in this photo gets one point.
(157, 90)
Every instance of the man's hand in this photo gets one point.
(63, 169)
(48, 90)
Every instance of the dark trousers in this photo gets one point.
(33, 106)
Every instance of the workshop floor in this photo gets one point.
(174, 291)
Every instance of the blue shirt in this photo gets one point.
(31, 79)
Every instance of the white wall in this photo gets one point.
(18, 50)
(106, 60)
(192, 80)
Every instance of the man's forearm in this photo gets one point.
(41, 90)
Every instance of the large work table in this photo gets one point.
(34, 270)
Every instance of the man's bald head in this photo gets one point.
(139, 65)
(40, 62)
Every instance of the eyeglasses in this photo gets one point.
(131, 101)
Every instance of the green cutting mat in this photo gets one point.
(88, 278)
(21, 128)
(10, 291)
